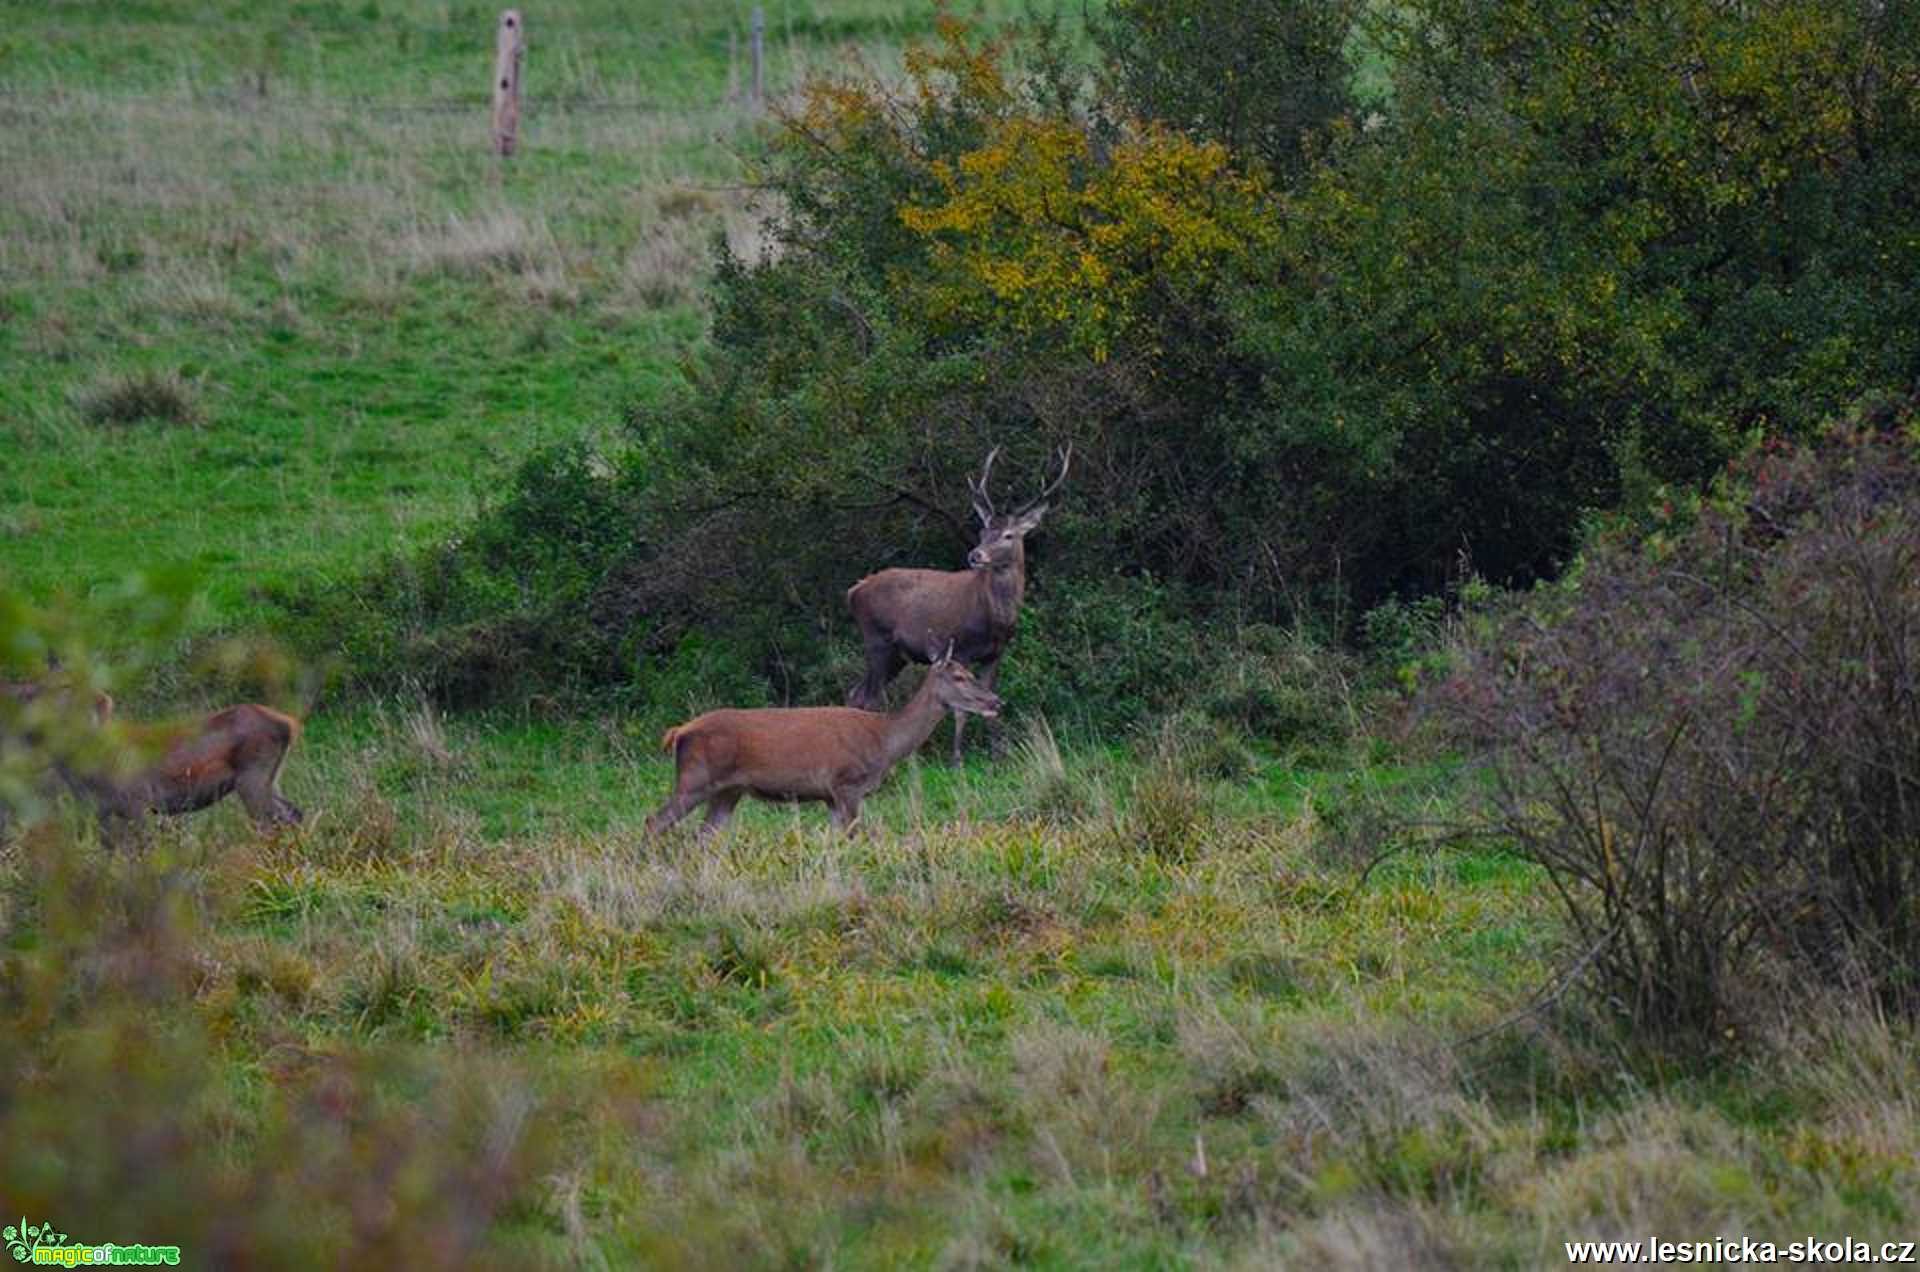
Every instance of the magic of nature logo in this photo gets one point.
(42, 1244)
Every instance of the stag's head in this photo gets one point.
(1003, 534)
(956, 689)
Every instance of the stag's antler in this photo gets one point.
(1065, 454)
(982, 502)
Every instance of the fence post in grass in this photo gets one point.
(508, 48)
(759, 51)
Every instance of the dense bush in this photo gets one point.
(500, 610)
(1711, 740)
(148, 395)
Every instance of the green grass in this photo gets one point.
(969, 1036)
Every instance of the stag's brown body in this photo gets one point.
(911, 615)
(833, 755)
(187, 767)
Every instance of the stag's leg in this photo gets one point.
(883, 664)
(719, 811)
(985, 676)
(988, 673)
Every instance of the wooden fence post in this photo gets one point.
(509, 46)
(759, 47)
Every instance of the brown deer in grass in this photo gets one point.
(185, 767)
(908, 615)
(835, 755)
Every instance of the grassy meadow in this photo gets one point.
(269, 310)
(268, 305)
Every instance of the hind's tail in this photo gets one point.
(668, 738)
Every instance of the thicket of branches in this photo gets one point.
(1712, 742)
(1311, 344)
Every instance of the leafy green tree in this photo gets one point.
(1262, 78)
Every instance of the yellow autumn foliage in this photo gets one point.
(1036, 231)
(1030, 225)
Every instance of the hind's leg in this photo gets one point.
(692, 784)
(264, 802)
(846, 810)
(719, 811)
(691, 788)
(678, 805)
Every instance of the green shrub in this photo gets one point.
(498, 611)
(1286, 689)
(1171, 806)
(1048, 788)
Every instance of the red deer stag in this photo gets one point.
(183, 768)
(908, 615)
(836, 755)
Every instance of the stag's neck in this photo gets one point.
(1003, 590)
(910, 726)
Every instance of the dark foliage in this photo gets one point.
(1262, 78)
(138, 397)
